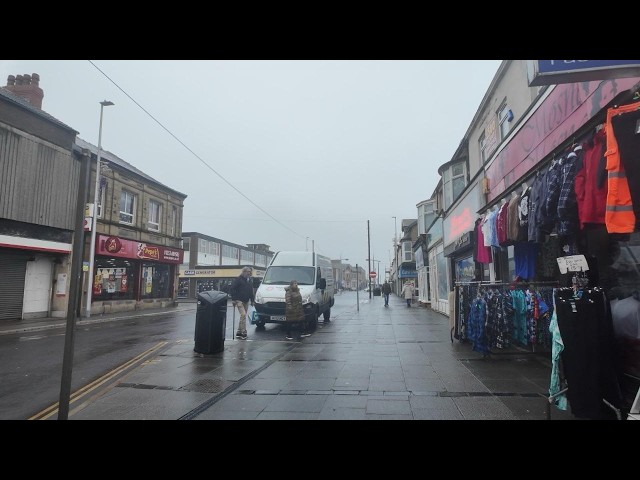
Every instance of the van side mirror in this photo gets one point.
(322, 283)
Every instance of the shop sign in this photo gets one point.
(462, 217)
(566, 109)
(553, 72)
(460, 243)
(408, 273)
(120, 247)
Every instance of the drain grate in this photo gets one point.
(143, 386)
(206, 385)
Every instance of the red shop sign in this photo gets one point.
(120, 247)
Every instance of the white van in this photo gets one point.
(314, 275)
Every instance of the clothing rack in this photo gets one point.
(533, 333)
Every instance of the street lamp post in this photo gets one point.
(341, 279)
(94, 220)
(395, 224)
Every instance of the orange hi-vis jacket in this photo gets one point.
(619, 216)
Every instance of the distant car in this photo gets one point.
(366, 289)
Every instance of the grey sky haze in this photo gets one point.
(320, 146)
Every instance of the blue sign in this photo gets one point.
(551, 72)
(407, 273)
(555, 66)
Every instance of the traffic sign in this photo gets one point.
(373, 274)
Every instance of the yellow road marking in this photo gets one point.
(81, 392)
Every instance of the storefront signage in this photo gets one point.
(120, 247)
(197, 273)
(408, 273)
(566, 109)
(460, 243)
(216, 273)
(553, 72)
(462, 218)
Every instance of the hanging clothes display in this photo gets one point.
(591, 182)
(476, 325)
(510, 316)
(585, 324)
(620, 215)
(483, 253)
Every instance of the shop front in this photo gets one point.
(193, 281)
(567, 271)
(459, 239)
(130, 275)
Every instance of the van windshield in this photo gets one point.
(283, 275)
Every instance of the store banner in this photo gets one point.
(120, 247)
(553, 72)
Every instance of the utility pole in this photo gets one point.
(369, 257)
(75, 285)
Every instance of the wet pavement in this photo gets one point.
(378, 363)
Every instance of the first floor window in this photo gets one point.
(154, 215)
(127, 207)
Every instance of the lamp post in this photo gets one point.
(94, 220)
(395, 224)
(341, 279)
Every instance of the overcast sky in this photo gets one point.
(289, 153)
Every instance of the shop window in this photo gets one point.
(207, 285)
(154, 216)
(183, 289)
(114, 279)
(155, 281)
(443, 277)
(127, 207)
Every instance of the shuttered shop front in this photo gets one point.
(12, 274)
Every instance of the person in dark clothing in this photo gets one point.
(241, 292)
(294, 310)
(386, 291)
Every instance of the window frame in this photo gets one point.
(503, 114)
(173, 221)
(132, 213)
(153, 224)
(482, 143)
(447, 185)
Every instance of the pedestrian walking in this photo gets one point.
(386, 291)
(294, 311)
(407, 293)
(241, 291)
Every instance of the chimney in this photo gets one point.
(27, 87)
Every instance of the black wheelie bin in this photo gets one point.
(211, 322)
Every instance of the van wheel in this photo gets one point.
(327, 315)
(260, 325)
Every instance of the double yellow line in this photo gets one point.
(75, 396)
